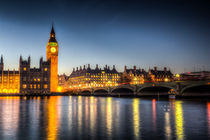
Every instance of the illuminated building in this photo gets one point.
(134, 76)
(9, 80)
(160, 75)
(52, 55)
(62, 82)
(34, 80)
(194, 76)
(87, 77)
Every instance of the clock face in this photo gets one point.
(53, 49)
(53, 44)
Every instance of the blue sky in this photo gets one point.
(145, 34)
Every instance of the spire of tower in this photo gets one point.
(2, 59)
(52, 30)
(52, 35)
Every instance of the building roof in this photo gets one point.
(161, 72)
(97, 70)
(137, 72)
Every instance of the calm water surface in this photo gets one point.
(63, 117)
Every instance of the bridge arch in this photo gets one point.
(85, 92)
(100, 91)
(122, 91)
(162, 89)
(194, 87)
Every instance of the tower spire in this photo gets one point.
(52, 34)
(52, 56)
(2, 59)
(52, 30)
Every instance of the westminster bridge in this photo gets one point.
(185, 88)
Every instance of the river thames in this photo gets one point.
(80, 117)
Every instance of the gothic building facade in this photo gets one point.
(29, 80)
(34, 80)
(9, 79)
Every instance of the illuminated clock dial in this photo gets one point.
(53, 44)
(53, 49)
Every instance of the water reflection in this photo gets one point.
(9, 112)
(53, 118)
(95, 118)
(92, 116)
(167, 126)
(70, 113)
(79, 105)
(136, 118)
(208, 117)
(109, 116)
(154, 114)
(179, 120)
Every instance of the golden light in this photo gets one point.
(166, 79)
(53, 49)
(179, 120)
(177, 75)
(59, 89)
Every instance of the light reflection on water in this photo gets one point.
(73, 117)
(53, 117)
(136, 118)
(208, 117)
(109, 116)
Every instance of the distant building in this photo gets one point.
(160, 75)
(34, 80)
(201, 75)
(134, 76)
(87, 77)
(9, 80)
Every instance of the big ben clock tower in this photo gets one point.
(52, 55)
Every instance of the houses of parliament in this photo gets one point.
(27, 80)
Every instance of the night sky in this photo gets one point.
(148, 33)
